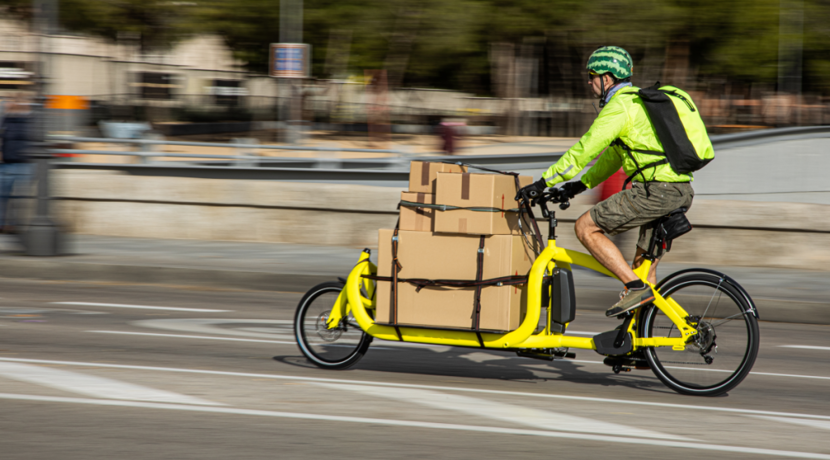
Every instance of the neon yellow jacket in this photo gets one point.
(624, 118)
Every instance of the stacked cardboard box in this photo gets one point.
(422, 183)
(494, 191)
(444, 245)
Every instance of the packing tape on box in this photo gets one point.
(465, 186)
(425, 173)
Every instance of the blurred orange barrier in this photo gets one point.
(67, 102)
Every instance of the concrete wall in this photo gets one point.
(757, 233)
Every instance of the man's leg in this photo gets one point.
(638, 260)
(605, 251)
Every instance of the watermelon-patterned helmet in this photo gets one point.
(613, 60)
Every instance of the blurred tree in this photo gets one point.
(153, 24)
(448, 44)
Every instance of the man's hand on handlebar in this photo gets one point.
(533, 190)
(574, 188)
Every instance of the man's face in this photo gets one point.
(595, 82)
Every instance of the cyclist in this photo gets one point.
(656, 190)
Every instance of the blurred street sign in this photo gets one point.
(290, 60)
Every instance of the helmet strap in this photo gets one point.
(604, 91)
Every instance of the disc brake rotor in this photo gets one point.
(329, 335)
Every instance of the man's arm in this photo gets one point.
(609, 163)
(605, 129)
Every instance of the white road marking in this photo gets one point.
(798, 421)
(234, 339)
(91, 385)
(805, 347)
(202, 337)
(426, 387)
(145, 307)
(768, 374)
(512, 414)
(211, 326)
(427, 425)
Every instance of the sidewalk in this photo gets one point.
(781, 294)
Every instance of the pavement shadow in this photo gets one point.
(451, 363)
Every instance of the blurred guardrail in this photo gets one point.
(747, 215)
(391, 170)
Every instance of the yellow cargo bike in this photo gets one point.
(700, 335)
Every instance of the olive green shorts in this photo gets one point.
(632, 208)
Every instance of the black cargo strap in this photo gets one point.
(444, 207)
(513, 280)
(479, 277)
(396, 267)
(628, 150)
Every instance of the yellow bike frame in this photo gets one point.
(522, 338)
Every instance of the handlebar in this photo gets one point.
(550, 195)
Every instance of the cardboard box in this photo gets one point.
(417, 219)
(431, 256)
(479, 191)
(422, 175)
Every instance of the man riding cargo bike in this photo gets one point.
(475, 270)
(625, 132)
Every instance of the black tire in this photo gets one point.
(337, 348)
(729, 336)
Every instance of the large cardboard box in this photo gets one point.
(478, 191)
(417, 219)
(432, 256)
(422, 174)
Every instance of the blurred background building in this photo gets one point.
(514, 68)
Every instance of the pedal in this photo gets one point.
(632, 361)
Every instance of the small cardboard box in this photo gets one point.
(478, 191)
(431, 256)
(422, 174)
(417, 219)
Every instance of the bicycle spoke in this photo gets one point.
(730, 318)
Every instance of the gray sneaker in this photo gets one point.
(629, 300)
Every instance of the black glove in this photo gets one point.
(533, 190)
(574, 188)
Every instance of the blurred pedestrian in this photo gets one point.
(449, 132)
(15, 169)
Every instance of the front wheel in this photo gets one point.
(336, 348)
(723, 351)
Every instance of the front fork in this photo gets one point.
(341, 308)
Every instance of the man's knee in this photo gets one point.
(585, 226)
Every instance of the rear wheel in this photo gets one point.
(336, 348)
(721, 355)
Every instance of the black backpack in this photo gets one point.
(679, 152)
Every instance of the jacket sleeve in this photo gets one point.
(605, 129)
(609, 163)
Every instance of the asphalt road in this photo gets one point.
(90, 371)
